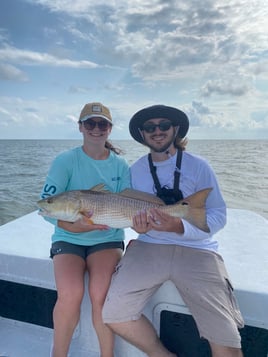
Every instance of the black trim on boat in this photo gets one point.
(27, 303)
(179, 334)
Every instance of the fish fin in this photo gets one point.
(88, 220)
(196, 213)
(99, 188)
(197, 199)
(142, 196)
(87, 216)
(197, 217)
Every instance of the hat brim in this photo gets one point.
(176, 116)
(86, 117)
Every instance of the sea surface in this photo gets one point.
(241, 167)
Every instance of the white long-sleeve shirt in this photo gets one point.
(196, 174)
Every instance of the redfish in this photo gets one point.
(117, 209)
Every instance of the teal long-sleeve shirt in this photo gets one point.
(74, 170)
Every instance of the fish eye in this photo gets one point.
(185, 203)
(50, 200)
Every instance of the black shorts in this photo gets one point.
(82, 251)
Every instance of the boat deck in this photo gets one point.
(24, 265)
(20, 339)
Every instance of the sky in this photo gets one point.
(208, 58)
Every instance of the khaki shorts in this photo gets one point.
(200, 277)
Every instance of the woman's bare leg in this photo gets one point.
(69, 275)
(101, 266)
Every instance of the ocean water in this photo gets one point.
(241, 168)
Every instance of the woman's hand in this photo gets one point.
(161, 221)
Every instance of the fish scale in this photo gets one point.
(112, 208)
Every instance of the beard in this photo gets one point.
(157, 148)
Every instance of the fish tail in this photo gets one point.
(197, 217)
(196, 212)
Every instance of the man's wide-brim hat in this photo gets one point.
(176, 116)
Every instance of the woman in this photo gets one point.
(80, 246)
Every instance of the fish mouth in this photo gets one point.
(42, 211)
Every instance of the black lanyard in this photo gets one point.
(177, 173)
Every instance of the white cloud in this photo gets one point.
(26, 57)
(9, 72)
(209, 58)
(230, 87)
(158, 38)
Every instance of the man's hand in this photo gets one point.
(140, 222)
(161, 221)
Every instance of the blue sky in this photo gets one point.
(208, 58)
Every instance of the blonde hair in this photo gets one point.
(180, 143)
(110, 146)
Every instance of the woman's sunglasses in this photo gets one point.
(163, 126)
(90, 124)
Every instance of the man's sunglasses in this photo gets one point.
(163, 126)
(90, 124)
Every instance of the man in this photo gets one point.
(169, 248)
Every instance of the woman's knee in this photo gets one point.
(70, 297)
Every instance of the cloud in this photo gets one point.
(209, 58)
(161, 40)
(78, 90)
(25, 57)
(200, 115)
(9, 72)
(200, 108)
(4, 112)
(3, 35)
(230, 87)
(40, 118)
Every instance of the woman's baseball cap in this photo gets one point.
(95, 110)
(176, 116)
